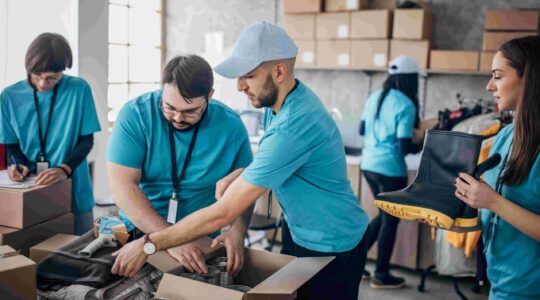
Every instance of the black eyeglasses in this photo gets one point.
(191, 114)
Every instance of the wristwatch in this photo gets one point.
(149, 247)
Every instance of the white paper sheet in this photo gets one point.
(5, 182)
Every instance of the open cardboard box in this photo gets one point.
(17, 275)
(271, 276)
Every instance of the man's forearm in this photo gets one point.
(241, 223)
(138, 208)
(240, 196)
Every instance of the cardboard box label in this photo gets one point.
(343, 59)
(308, 57)
(380, 59)
(343, 31)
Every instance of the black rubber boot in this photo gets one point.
(430, 197)
(468, 219)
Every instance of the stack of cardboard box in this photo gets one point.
(503, 25)
(412, 34)
(29, 216)
(299, 22)
(17, 275)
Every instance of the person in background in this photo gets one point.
(180, 143)
(387, 123)
(301, 157)
(509, 194)
(48, 122)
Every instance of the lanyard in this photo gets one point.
(43, 137)
(494, 218)
(176, 180)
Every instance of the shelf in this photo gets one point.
(431, 71)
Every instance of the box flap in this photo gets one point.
(7, 251)
(15, 262)
(56, 242)
(176, 287)
(292, 276)
(162, 261)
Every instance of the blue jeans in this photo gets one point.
(83, 223)
(340, 279)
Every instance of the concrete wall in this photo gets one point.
(93, 66)
(457, 24)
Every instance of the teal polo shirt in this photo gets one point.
(302, 159)
(74, 115)
(381, 153)
(513, 258)
(140, 140)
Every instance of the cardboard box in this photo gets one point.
(412, 23)
(41, 250)
(22, 208)
(272, 276)
(520, 20)
(300, 26)
(494, 39)
(333, 26)
(23, 239)
(302, 6)
(331, 54)
(419, 50)
(345, 5)
(17, 275)
(485, 60)
(307, 54)
(369, 53)
(454, 60)
(383, 4)
(371, 24)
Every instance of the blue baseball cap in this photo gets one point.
(257, 43)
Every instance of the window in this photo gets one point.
(135, 50)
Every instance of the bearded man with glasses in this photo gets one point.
(167, 152)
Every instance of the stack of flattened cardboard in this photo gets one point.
(17, 275)
(501, 26)
(29, 216)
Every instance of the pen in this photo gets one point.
(16, 164)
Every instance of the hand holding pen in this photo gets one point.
(16, 171)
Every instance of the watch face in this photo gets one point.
(149, 248)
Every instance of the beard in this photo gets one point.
(187, 126)
(269, 94)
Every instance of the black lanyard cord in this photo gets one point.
(43, 137)
(176, 180)
(498, 184)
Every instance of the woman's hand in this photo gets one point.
(475, 193)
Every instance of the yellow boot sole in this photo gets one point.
(432, 217)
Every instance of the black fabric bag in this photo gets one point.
(65, 267)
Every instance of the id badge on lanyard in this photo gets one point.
(42, 165)
(173, 208)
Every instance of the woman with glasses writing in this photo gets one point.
(48, 121)
(510, 195)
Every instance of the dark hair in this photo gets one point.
(523, 54)
(405, 83)
(48, 52)
(192, 75)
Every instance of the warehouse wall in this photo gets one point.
(457, 24)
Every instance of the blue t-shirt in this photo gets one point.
(513, 258)
(302, 159)
(381, 152)
(74, 115)
(140, 140)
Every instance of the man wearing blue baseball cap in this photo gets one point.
(300, 157)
